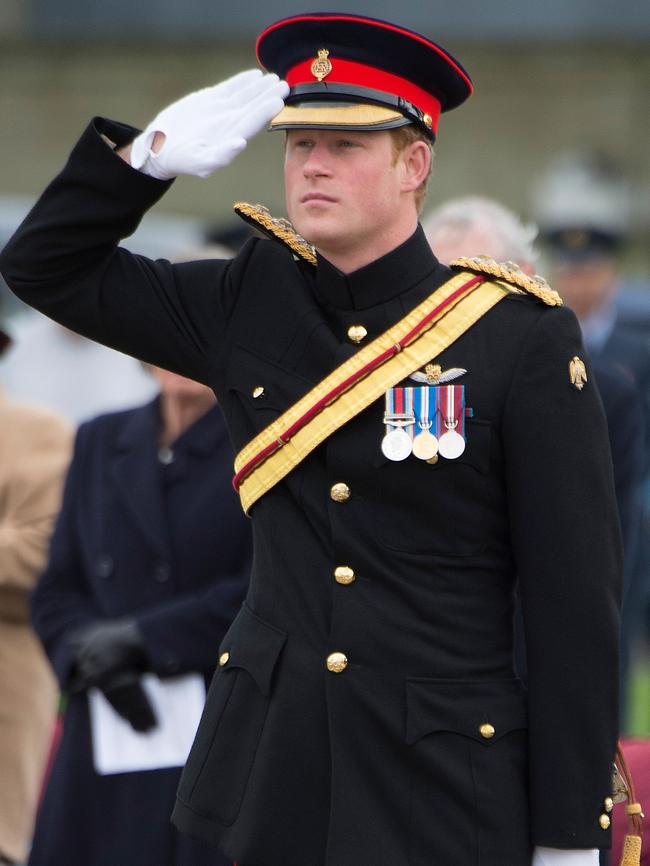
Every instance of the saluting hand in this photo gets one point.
(207, 129)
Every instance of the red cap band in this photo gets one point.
(350, 72)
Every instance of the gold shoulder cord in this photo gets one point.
(276, 228)
(510, 273)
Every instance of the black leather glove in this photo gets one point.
(104, 649)
(125, 694)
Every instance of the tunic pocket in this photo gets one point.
(262, 388)
(436, 508)
(468, 743)
(214, 780)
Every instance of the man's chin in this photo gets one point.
(317, 234)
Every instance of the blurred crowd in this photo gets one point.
(124, 554)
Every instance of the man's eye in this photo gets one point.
(346, 142)
(304, 142)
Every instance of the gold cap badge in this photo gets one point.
(577, 372)
(322, 66)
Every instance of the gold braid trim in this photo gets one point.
(275, 227)
(510, 273)
(631, 851)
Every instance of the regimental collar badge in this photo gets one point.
(433, 374)
(322, 65)
(276, 228)
(577, 373)
(512, 274)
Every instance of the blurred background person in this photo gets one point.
(149, 564)
(582, 206)
(35, 447)
(475, 225)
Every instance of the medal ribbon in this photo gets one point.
(450, 409)
(423, 406)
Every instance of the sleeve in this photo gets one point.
(567, 550)
(61, 603)
(30, 495)
(64, 260)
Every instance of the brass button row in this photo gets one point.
(340, 492)
(604, 820)
(337, 662)
(344, 575)
(357, 333)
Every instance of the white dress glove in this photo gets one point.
(206, 130)
(557, 857)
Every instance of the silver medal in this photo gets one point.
(396, 445)
(425, 445)
(451, 445)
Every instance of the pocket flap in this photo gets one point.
(253, 645)
(264, 383)
(484, 711)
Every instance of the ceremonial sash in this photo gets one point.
(423, 334)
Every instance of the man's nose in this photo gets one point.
(317, 163)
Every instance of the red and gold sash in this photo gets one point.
(421, 335)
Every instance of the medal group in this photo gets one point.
(428, 422)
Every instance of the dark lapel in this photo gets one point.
(136, 473)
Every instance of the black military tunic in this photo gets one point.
(424, 748)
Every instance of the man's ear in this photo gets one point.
(416, 163)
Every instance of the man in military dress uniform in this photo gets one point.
(414, 440)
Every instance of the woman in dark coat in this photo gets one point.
(148, 566)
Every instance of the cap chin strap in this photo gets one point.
(324, 92)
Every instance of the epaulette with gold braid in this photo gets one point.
(276, 227)
(511, 273)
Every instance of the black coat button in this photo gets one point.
(172, 665)
(104, 566)
(161, 572)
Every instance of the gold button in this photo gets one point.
(224, 658)
(344, 574)
(604, 821)
(487, 731)
(258, 392)
(609, 804)
(356, 333)
(340, 492)
(337, 662)
(427, 120)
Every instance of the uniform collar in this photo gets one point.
(381, 280)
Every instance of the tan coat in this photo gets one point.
(35, 447)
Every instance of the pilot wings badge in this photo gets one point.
(433, 374)
(577, 372)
